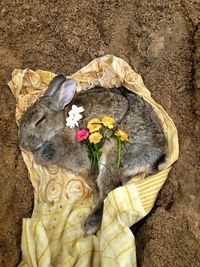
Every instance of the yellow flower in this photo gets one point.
(108, 122)
(122, 135)
(95, 138)
(94, 125)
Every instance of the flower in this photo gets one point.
(94, 125)
(74, 116)
(76, 110)
(82, 135)
(95, 138)
(71, 122)
(108, 122)
(122, 135)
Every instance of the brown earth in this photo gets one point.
(158, 39)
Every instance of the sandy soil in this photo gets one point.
(159, 39)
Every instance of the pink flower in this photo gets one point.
(82, 135)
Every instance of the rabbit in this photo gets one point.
(43, 131)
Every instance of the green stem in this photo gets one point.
(103, 129)
(97, 157)
(119, 153)
(87, 143)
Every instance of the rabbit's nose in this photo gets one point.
(23, 144)
(30, 143)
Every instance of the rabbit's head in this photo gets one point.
(40, 126)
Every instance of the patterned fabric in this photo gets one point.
(53, 235)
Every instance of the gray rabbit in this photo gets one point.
(43, 131)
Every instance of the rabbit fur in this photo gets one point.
(43, 131)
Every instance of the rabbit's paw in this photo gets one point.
(92, 224)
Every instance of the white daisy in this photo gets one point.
(74, 116)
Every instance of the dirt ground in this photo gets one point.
(160, 40)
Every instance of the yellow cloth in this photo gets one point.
(53, 235)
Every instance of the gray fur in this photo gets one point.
(43, 131)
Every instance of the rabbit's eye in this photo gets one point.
(40, 120)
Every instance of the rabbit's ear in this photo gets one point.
(55, 84)
(66, 93)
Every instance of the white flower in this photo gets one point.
(76, 110)
(74, 116)
(71, 123)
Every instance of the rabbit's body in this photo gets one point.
(53, 143)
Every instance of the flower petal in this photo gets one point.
(121, 135)
(80, 109)
(95, 138)
(108, 122)
(74, 108)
